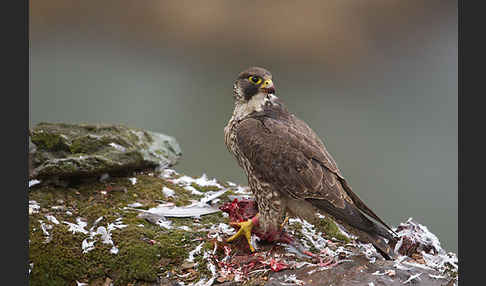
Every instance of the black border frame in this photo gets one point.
(15, 116)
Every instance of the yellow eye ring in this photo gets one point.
(255, 79)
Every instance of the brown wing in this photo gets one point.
(332, 166)
(290, 156)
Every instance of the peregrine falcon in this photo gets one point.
(289, 170)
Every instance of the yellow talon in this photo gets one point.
(284, 222)
(245, 229)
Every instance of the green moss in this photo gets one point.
(205, 188)
(145, 252)
(210, 219)
(62, 260)
(135, 261)
(58, 261)
(85, 144)
(329, 228)
(141, 249)
(46, 141)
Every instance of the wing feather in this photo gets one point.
(292, 158)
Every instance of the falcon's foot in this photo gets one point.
(245, 229)
(284, 223)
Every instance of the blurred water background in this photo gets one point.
(377, 80)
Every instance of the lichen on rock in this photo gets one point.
(70, 150)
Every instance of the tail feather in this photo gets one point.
(384, 248)
(366, 229)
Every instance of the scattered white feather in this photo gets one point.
(437, 276)
(78, 227)
(33, 182)
(205, 182)
(117, 147)
(81, 284)
(212, 268)
(341, 249)
(254, 241)
(368, 250)
(168, 192)
(133, 180)
(183, 180)
(302, 264)
(211, 196)
(52, 219)
(95, 223)
(438, 259)
(195, 251)
(164, 223)
(217, 231)
(87, 245)
(184, 211)
(45, 227)
(117, 224)
(226, 229)
(114, 250)
(441, 261)
(167, 173)
(310, 234)
(398, 263)
(193, 190)
(292, 278)
(420, 233)
(196, 209)
(103, 234)
(413, 277)
(242, 190)
(33, 207)
(398, 245)
(135, 205)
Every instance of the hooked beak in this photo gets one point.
(267, 87)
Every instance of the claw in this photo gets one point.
(284, 222)
(245, 229)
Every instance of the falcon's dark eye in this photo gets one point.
(255, 79)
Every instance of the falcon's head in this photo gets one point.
(251, 82)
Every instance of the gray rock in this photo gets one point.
(359, 271)
(70, 150)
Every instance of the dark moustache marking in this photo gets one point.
(250, 90)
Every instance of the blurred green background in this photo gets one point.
(377, 80)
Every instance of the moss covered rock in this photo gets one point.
(70, 150)
(96, 232)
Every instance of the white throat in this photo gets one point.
(255, 104)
